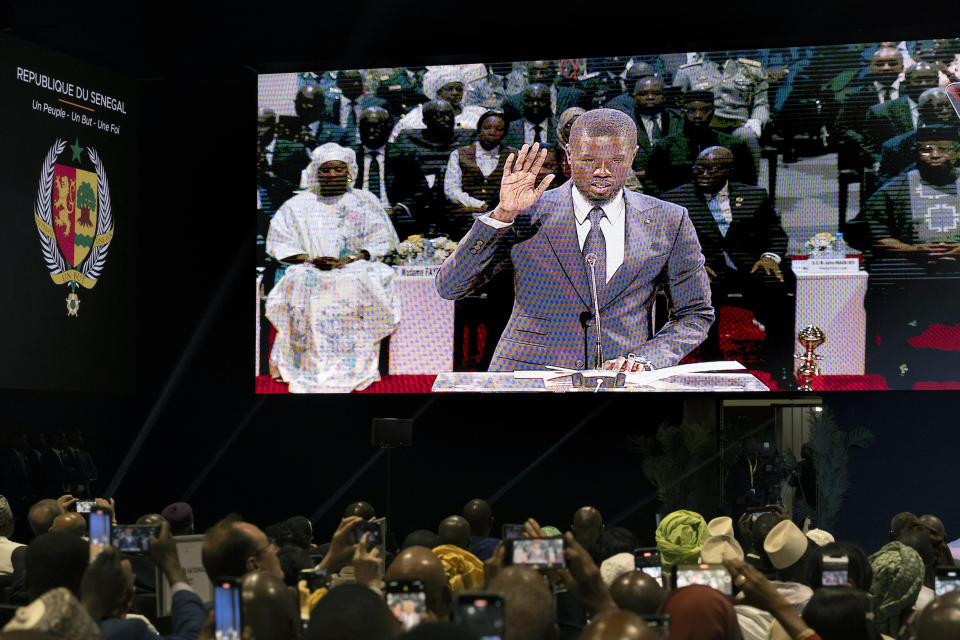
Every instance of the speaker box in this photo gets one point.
(392, 432)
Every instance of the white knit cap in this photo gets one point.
(615, 566)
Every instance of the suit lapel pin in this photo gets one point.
(647, 220)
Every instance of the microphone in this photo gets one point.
(591, 259)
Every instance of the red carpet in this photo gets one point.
(938, 336)
(389, 384)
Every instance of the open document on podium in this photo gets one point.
(725, 376)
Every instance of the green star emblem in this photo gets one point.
(76, 149)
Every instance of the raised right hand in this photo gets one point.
(517, 190)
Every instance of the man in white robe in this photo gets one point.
(335, 303)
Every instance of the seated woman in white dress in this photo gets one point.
(334, 303)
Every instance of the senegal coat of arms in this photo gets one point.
(73, 217)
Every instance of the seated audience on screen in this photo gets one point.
(491, 90)
(392, 174)
(537, 123)
(739, 86)
(603, 80)
(671, 160)
(279, 163)
(909, 230)
(471, 181)
(896, 153)
(353, 99)
(309, 127)
(875, 84)
(431, 147)
(442, 83)
(402, 88)
(896, 117)
(744, 244)
(563, 93)
(655, 121)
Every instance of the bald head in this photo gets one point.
(940, 620)
(151, 518)
(712, 169)
(360, 508)
(42, 514)
(309, 103)
(454, 530)
(419, 563)
(269, 608)
(72, 523)
(530, 607)
(637, 592)
(618, 625)
(885, 65)
(934, 107)
(587, 525)
(479, 515)
(919, 78)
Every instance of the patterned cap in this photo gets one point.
(57, 613)
(6, 513)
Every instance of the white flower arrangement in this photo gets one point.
(820, 242)
(422, 251)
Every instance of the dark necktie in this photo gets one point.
(373, 175)
(657, 132)
(536, 133)
(596, 244)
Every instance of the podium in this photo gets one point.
(505, 381)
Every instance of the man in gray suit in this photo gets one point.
(641, 244)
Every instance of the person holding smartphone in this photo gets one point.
(107, 590)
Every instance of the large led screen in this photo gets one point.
(741, 220)
(68, 175)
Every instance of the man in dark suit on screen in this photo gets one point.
(744, 244)
(637, 244)
(392, 174)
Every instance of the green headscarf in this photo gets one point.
(679, 538)
(897, 577)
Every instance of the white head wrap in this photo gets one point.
(326, 153)
(437, 77)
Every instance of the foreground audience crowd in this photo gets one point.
(775, 568)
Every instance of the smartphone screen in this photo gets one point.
(835, 571)
(408, 601)
(374, 528)
(648, 560)
(133, 538)
(85, 506)
(947, 579)
(511, 531)
(226, 603)
(539, 553)
(99, 532)
(712, 575)
(660, 623)
(484, 614)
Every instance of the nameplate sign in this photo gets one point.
(821, 266)
(417, 269)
